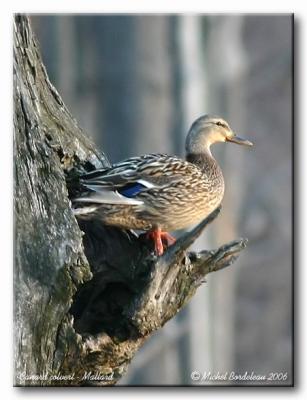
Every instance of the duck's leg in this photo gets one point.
(157, 236)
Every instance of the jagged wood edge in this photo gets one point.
(174, 279)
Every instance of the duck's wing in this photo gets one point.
(122, 183)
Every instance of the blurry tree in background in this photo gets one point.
(136, 83)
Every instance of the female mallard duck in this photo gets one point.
(158, 193)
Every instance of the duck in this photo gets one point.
(160, 193)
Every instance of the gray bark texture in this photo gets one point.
(86, 296)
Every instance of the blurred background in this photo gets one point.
(135, 84)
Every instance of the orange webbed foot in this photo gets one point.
(159, 238)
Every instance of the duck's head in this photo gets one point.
(210, 129)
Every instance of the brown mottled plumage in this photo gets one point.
(158, 192)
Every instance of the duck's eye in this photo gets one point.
(220, 123)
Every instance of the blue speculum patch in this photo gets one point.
(132, 189)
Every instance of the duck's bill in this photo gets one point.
(238, 140)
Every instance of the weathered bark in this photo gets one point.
(84, 302)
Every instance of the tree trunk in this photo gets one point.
(87, 296)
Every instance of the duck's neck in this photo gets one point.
(203, 160)
(209, 166)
